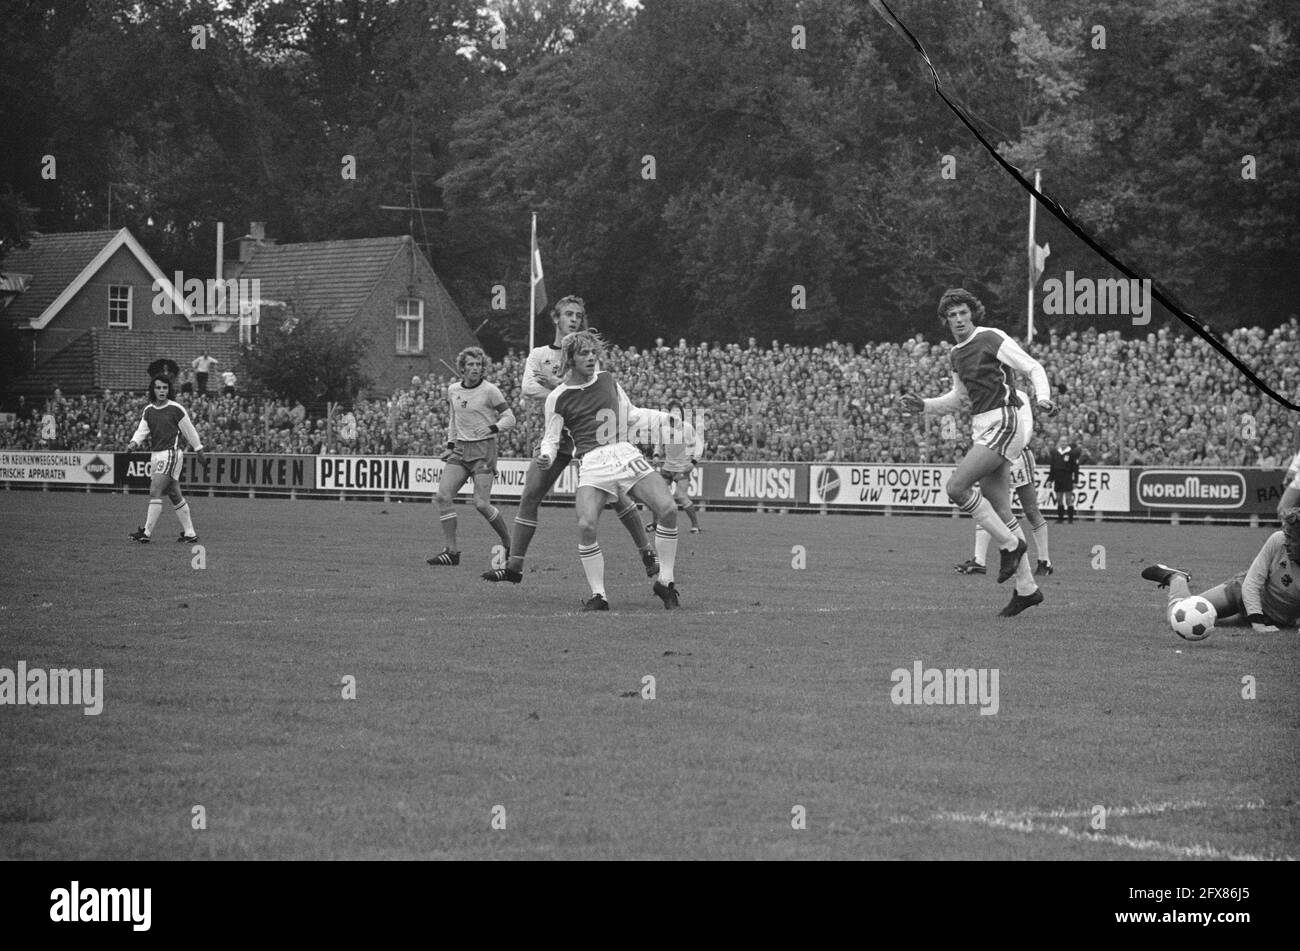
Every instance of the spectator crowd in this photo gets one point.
(1159, 400)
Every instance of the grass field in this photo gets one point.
(223, 688)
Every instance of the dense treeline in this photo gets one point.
(791, 142)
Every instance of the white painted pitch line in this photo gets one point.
(1023, 824)
(688, 614)
(1139, 809)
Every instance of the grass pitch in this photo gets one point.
(224, 689)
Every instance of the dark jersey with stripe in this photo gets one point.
(591, 413)
(164, 425)
(988, 380)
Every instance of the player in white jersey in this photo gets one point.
(983, 361)
(678, 455)
(1291, 492)
(1026, 490)
(478, 413)
(543, 372)
(162, 425)
(1267, 595)
(599, 418)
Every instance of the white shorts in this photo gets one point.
(999, 430)
(1022, 470)
(167, 462)
(614, 467)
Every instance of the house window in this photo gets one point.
(119, 305)
(410, 325)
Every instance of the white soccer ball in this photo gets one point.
(1193, 618)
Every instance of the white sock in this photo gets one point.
(151, 520)
(978, 508)
(666, 545)
(1025, 583)
(183, 513)
(593, 564)
(981, 545)
(1040, 542)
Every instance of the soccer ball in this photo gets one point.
(1192, 618)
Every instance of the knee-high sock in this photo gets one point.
(1025, 583)
(183, 513)
(666, 545)
(1040, 539)
(151, 519)
(498, 523)
(448, 521)
(631, 520)
(593, 565)
(525, 528)
(978, 508)
(981, 544)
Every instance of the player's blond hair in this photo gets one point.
(471, 352)
(1291, 529)
(574, 342)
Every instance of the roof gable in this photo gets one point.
(60, 265)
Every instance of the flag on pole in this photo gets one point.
(1037, 259)
(539, 280)
(1037, 255)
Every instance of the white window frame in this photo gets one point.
(130, 296)
(404, 320)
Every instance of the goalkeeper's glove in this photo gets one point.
(202, 456)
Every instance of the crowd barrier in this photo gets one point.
(1167, 494)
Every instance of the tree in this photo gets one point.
(309, 359)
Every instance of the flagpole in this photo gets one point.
(1033, 214)
(532, 284)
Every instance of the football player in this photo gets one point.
(162, 425)
(680, 449)
(1267, 594)
(983, 361)
(478, 413)
(542, 373)
(585, 405)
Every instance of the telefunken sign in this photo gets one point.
(1180, 489)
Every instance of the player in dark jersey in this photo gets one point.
(984, 360)
(543, 372)
(594, 410)
(162, 425)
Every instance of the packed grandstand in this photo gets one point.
(1128, 401)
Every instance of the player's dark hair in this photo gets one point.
(959, 295)
(569, 299)
(171, 387)
(574, 342)
(466, 354)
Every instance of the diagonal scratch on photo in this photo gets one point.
(908, 388)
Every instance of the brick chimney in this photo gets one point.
(255, 238)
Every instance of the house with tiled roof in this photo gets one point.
(384, 287)
(75, 297)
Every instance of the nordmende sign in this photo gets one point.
(1189, 489)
